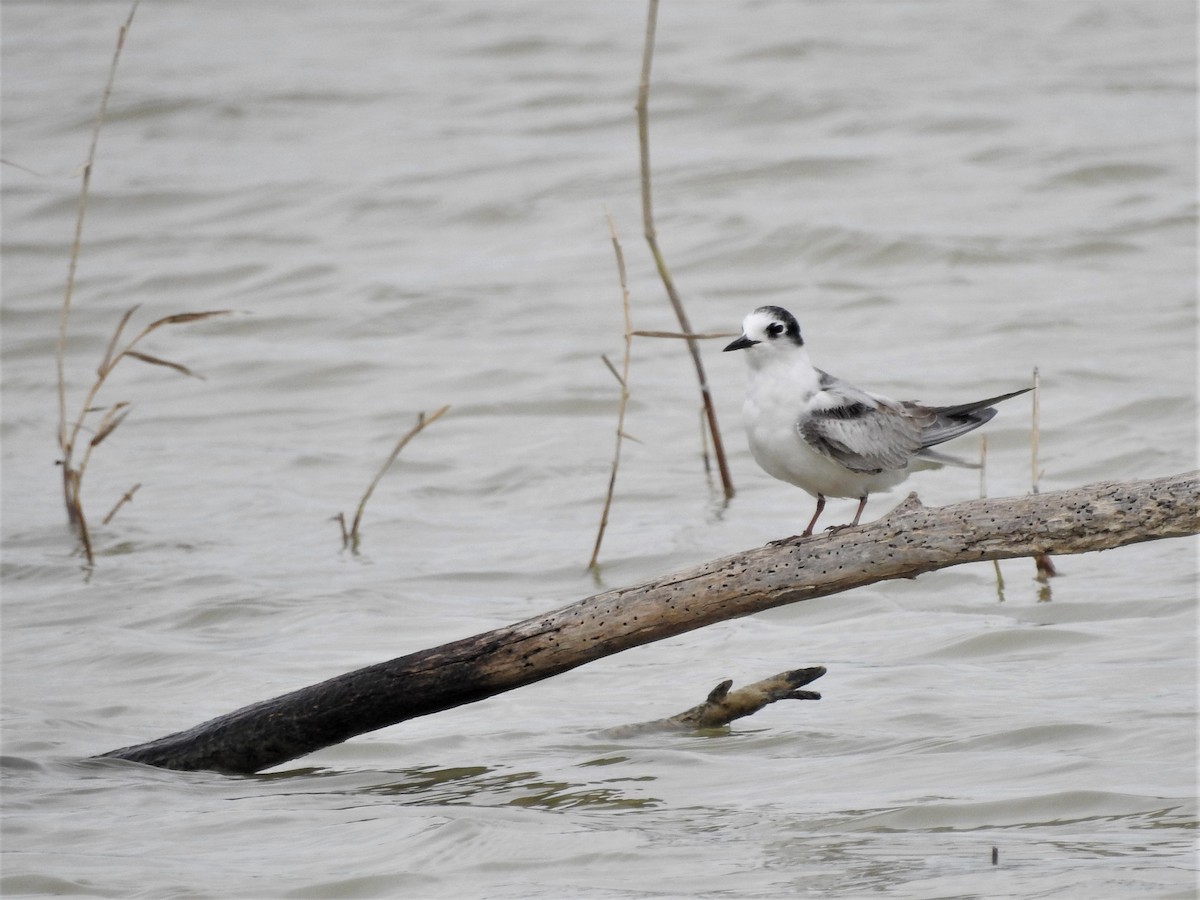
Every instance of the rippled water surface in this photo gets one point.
(404, 204)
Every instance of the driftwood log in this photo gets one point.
(908, 541)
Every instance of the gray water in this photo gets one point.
(404, 204)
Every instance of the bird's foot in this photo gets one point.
(789, 540)
(834, 529)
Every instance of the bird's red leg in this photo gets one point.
(862, 504)
(816, 515)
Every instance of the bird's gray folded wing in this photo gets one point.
(868, 435)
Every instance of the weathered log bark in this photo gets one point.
(907, 542)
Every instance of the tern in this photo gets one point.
(825, 435)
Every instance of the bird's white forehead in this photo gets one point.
(756, 323)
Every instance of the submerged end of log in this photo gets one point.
(723, 706)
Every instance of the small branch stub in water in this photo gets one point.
(723, 706)
(350, 536)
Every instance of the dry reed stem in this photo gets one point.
(113, 416)
(660, 263)
(127, 497)
(1035, 472)
(112, 359)
(72, 478)
(982, 496)
(686, 337)
(1041, 561)
(73, 261)
(350, 538)
(704, 445)
(623, 380)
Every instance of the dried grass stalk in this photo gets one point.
(623, 380)
(113, 415)
(643, 118)
(983, 495)
(686, 337)
(73, 261)
(127, 497)
(1041, 561)
(351, 536)
(69, 430)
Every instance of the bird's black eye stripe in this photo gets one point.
(775, 329)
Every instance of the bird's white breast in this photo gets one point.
(779, 396)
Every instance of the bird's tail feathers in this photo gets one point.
(963, 408)
(952, 421)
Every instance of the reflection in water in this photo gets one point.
(478, 786)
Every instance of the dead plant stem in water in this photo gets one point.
(113, 415)
(685, 337)
(983, 495)
(127, 497)
(652, 241)
(623, 380)
(350, 537)
(73, 465)
(73, 261)
(1042, 561)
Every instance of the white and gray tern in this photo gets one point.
(827, 436)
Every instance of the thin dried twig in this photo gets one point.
(704, 444)
(1041, 561)
(983, 495)
(127, 497)
(73, 261)
(660, 263)
(350, 538)
(114, 415)
(71, 477)
(112, 359)
(685, 337)
(623, 380)
(69, 430)
(1035, 433)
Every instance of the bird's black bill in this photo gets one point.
(741, 343)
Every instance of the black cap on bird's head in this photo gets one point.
(768, 324)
